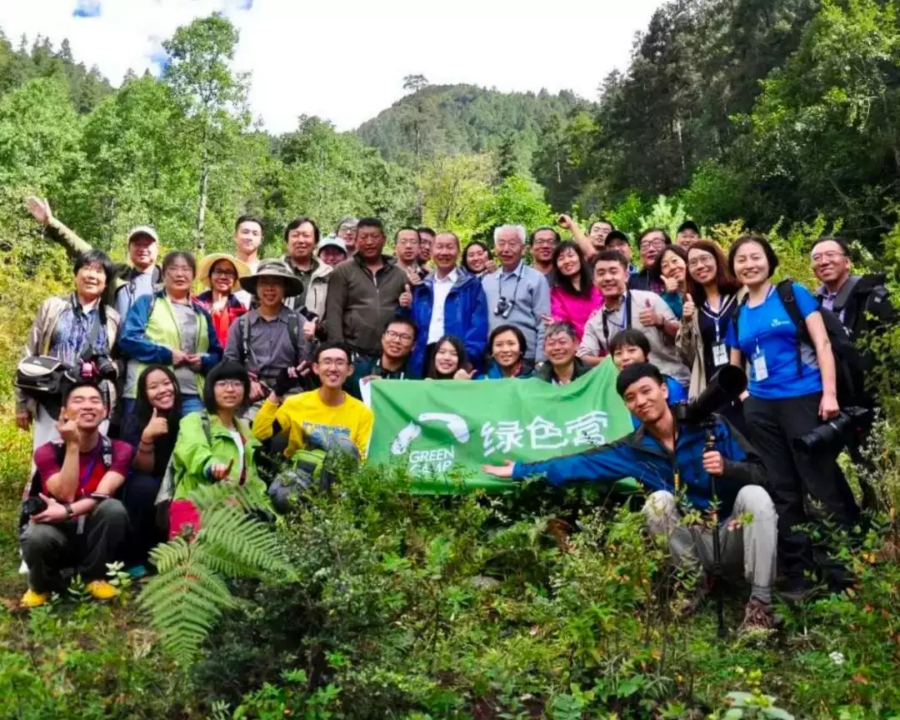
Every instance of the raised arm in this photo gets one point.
(582, 240)
(56, 231)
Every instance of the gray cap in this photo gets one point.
(332, 241)
(143, 230)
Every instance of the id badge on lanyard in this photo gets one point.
(760, 371)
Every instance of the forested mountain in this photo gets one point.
(453, 119)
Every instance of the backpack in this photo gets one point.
(35, 486)
(246, 351)
(848, 361)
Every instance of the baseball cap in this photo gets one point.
(332, 241)
(688, 225)
(143, 230)
(617, 235)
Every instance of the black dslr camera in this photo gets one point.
(725, 387)
(33, 506)
(832, 432)
(504, 307)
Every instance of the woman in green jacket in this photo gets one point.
(214, 445)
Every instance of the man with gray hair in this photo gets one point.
(346, 231)
(517, 294)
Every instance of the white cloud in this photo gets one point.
(345, 59)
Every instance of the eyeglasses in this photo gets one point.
(224, 274)
(698, 260)
(544, 242)
(656, 243)
(179, 270)
(231, 383)
(333, 363)
(828, 255)
(393, 335)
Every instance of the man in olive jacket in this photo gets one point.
(364, 292)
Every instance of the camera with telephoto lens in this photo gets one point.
(504, 308)
(724, 388)
(105, 369)
(832, 433)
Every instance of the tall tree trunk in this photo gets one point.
(204, 192)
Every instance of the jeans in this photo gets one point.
(139, 498)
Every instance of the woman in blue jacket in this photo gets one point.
(793, 388)
(449, 302)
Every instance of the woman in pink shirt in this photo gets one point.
(573, 297)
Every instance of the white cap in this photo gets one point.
(332, 241)
(143, 230)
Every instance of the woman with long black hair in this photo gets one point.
(449, 361)
(573, 295)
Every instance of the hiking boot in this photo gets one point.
(32, 599)
(757, 616)
(101, 590)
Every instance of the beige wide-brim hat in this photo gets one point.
(206, 265)
(278, 269)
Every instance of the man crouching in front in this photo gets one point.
(665, 457)
(75, 522)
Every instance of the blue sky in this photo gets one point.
(345, 60)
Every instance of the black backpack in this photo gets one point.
(848, 361)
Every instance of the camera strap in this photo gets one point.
(88, 351)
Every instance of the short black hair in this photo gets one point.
(603, 220)
(409, 322)
(96, 257)
(499, 330)
(407, 227)
(225, 370)
(644, 233)
(630, 338)
(609, 256)
(425, 230)
(630, 375)
(845, 245)
(556, 238)
(771, 257)
(297, 222)
(333, 346)
(180, 255)
(72, 387)
(617, 236)
(688, 225)
(248, 218)
(370, 222)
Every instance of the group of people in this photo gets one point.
(280, 350)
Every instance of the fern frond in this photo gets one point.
(227, 532)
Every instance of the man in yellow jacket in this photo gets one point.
(324, 412)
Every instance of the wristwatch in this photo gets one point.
(69, 511)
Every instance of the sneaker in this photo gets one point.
(757, 616)
(137, 572)
(32, 599)
(101, 590)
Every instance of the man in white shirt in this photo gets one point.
(248, 237)
(449, 302)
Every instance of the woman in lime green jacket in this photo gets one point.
(214, 445)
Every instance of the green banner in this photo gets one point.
(433, 427)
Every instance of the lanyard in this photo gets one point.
(717, 315)
(606, 316)
(515, 288)
(86, 476)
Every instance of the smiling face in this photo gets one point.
(673, 267)
(270, 292)
(647, 400)
(160, 390)
(509, 248)
(560, 348)
(142, 251)
(751, 267)
(406, 247)
(347, 233)
(598, 233)
(229, 393)
(702, 266)
(331, 255)
(426, 240)
(178, 277)
(476, 257)
(301, 241)
(333, 368)
(90, 281)
(506, 349)
(369, 242)
(626, 355)
(85, 406)
(446, 359)
(621, 247)
(222, 277)
(652, 245)
(568, 262)
(397, 341)
(610, 278)
(829, 262)
(445, 252)
(248, 237)
(543, 245)
(687, 237)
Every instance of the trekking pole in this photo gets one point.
(717, 552)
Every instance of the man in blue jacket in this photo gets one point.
(669, 460)
(449, 302)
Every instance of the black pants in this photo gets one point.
(139, 498)
(49, 548)
(795, 475)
